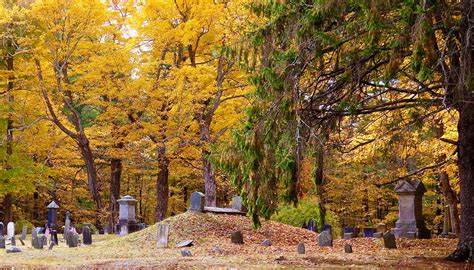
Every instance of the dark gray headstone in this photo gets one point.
(266, 243)
(2, 241)
(86, 235)
(326, 228)
(311, 225)
(44, 238)
(349, 232)
(34, 234)
(186, 253)
(389, 240)
(237, 237)
(325, 239)
(185, 243)
(197, 202)
(347, 248)
(300, 248)
(13, 249)
(368, 232)
(162, 235)
(72, 239)
(2, 229)
(37, 242)
(237, 203)
(24, 231)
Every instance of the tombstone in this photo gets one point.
(127, 215)
(389, 240)
(197, 202)
(410, 210)
(13, 249)
(186, 253)
(2, 241)
(67, 225)
(325, 239)
(266, 243)
(13, 242)
(2, 229)
(368, 232)
(34, 234)
(52, 214)
(44, 238)
(311, 225)
(24, 231)
(123, 230)
(327, 228)
(349, 232)
(36, 241)
(72, 239)
(162, 235)
(300, 248)
(236, 237)
(106, 229)
(10, 230)
(237, 204)
(86, 235)
(347, 248)
(185, 243)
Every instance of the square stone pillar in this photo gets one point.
(127, 217)
(411, 223)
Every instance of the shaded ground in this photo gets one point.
(207, 230)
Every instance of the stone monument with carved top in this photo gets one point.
(127, 215)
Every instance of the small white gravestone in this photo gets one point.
(10, 230)
(162, 235)
(123, 230)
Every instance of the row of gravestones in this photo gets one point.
(350, 232)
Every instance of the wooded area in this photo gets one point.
(304, 108)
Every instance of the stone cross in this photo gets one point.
(162, 235)
(197, 202)
(10, 230)
(410, 210)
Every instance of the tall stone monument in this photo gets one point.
(411, 223)
(52, 215)
(127, 215)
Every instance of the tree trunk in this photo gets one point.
(115, 175)
(7, 208)
(162, 188)
(319, 181)
(208, 172)
(465, 100)
(7, 203)
(451, 201)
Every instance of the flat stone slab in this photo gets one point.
(218, 210)
(185, 243)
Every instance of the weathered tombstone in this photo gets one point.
(123, 230)
(197, 202)
(368, 232)
(349, 232)
(44, 238)
(2, 229)
(72, 239)
(10, 230)
(162, 235)
(24, 231)
(237, 203)
(37, 242)
(127, 206)
(325, 239)
(186, 253)
(389, 240)
(2, 241)
(410, 210)
(300, 248)
(266, 243)
(326, 228)
(86, 235)
(67, 224)
(52, 214)
(311, 225)
(13, 249)
(185, 243)
(347, 248)
(236, 237)
(34, 234)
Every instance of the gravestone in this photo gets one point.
(2, 229)
(13, 249)
(368, 232)
(10, 230)
(24, 231)
(123, 230)
(186, 253)
(86, 235)
(67, 225)
(36, 241)
(266, 243)
(311, 225)
(2, 241)
(44, 238)
(236, 237)
(13, 242)
(347, 248)
(72, 239)
(237, 204)
(327, 228)
(127, 206)
(389, 240)
(410, 210)
(162, 235)
(349, 232)
(300, 248)
(185, 243)
(34, 234)
(325, 239)
(197, 202)
(52, 214)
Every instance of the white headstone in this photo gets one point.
(162, 235)
(10, 230)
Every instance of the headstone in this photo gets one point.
(34, 234)
(162, 235)
(44, 238)
(24, 231)
(347, 248)
(349, 232)
(237, 237)
(186, 253)
(86, 235)
(311, 225)
(389, 240)
(2, 229)
(325, 239)
(410, 209)
(37, 242)
(300, 248)
(185, 243)
(72, 239)
(52, 214)
(127, 205)
(237, 203)
(67, 226)
(368, 232)
(266, 243)
(197, 202)
(13, 249)
(10, 230)
(13, 242)
(123, 230)
(2, 241)
(326, 228)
